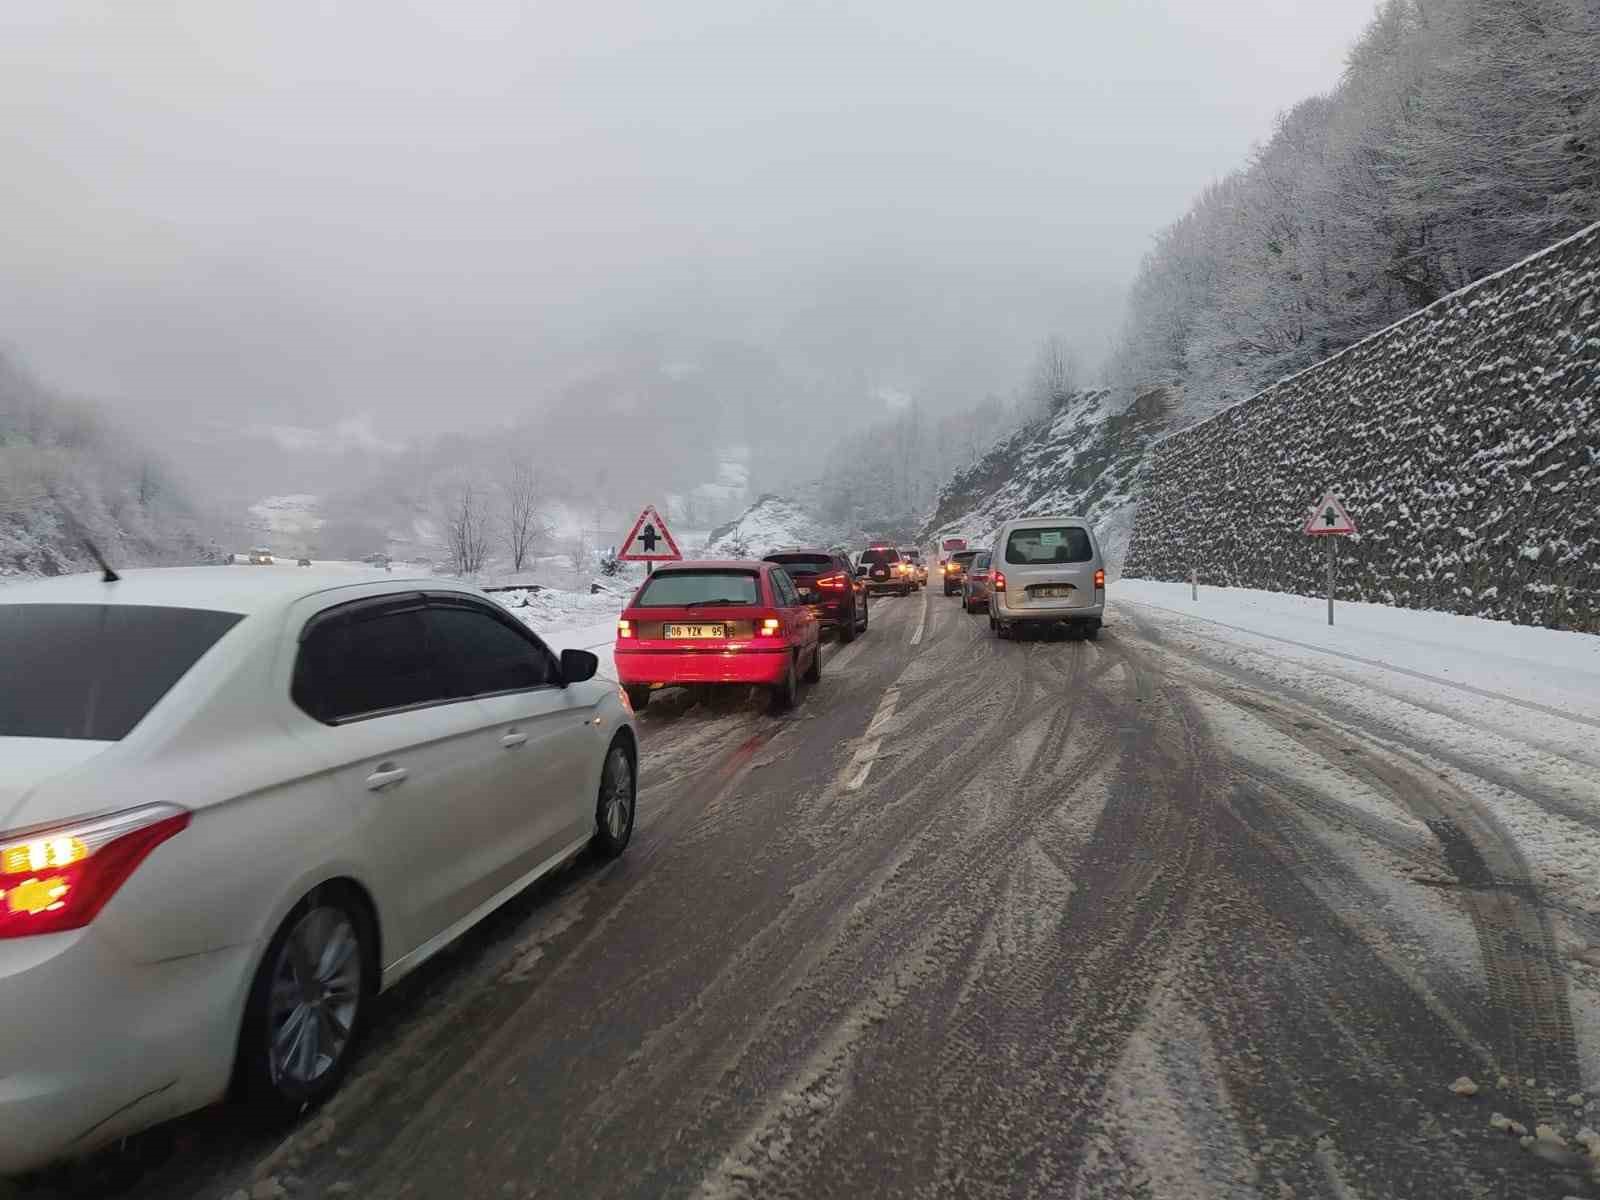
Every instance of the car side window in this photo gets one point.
(784, 587)
(480, 654)
(367, 661)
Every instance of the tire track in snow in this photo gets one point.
(1520, 957)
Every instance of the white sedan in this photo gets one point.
(236, 805)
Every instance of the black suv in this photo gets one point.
(885, 571)
(828, 587)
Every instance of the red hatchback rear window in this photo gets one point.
(678, 589)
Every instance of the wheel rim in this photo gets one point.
(316, 989)
(616, 804)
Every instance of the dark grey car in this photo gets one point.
(975, 584)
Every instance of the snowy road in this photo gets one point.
(1142, 917)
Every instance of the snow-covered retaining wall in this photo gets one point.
(1465, 441)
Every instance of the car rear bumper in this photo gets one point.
(832, 615)
(1001, 604)
(670, 667)
(96, 1047)
(890, 585)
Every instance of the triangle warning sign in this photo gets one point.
(1329, 517)
(650, 540)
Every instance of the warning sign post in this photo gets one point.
(650, 541)
(1329, 519)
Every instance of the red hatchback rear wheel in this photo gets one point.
(787, 692)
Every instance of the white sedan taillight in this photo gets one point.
(60, 878)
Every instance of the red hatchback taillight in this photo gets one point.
(624, 628)
(998, 581)
(832, 583)
(768, 627)
(60, 878)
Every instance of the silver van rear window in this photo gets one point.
(1049, 544)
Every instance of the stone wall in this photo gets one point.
(1465, 441)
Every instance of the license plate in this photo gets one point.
(695, 631)
(1054, 593)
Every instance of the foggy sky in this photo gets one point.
(435, 212)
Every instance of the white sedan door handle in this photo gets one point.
(513, 739)
(386, 776)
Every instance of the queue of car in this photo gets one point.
(236, 806)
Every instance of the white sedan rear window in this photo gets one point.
(93, 671)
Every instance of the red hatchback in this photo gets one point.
(712, 622)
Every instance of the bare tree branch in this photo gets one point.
(466, 528)
(522, 497)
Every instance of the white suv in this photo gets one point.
(1046, 570)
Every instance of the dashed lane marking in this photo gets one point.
(860, 765)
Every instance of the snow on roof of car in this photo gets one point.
(219, 588)
(1048, 520)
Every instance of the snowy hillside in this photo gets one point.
(716, 499)
(292, 518)
(68, 471)
(769, 524)
(1085, 458)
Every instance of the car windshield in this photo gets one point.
(981, 561)
(1052, 544)
(803, 564)
(878, 555)
(679, 589)
(93, 671)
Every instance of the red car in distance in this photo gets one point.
(829, 585)
(717, 622)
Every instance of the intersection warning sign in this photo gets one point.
(1329, 517)
(650, 540)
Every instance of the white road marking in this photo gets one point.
(860, 765)
(922, 619)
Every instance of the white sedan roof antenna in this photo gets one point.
(107, 575)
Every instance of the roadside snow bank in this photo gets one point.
(571, 620)
(1545, 671)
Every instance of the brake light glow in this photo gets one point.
(57, 879)
(1100, 578)
(769, 627)
(624, 628)
(831, 583)
(997, 581)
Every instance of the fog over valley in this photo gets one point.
(283, 242)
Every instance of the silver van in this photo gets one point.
(1044, 571)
